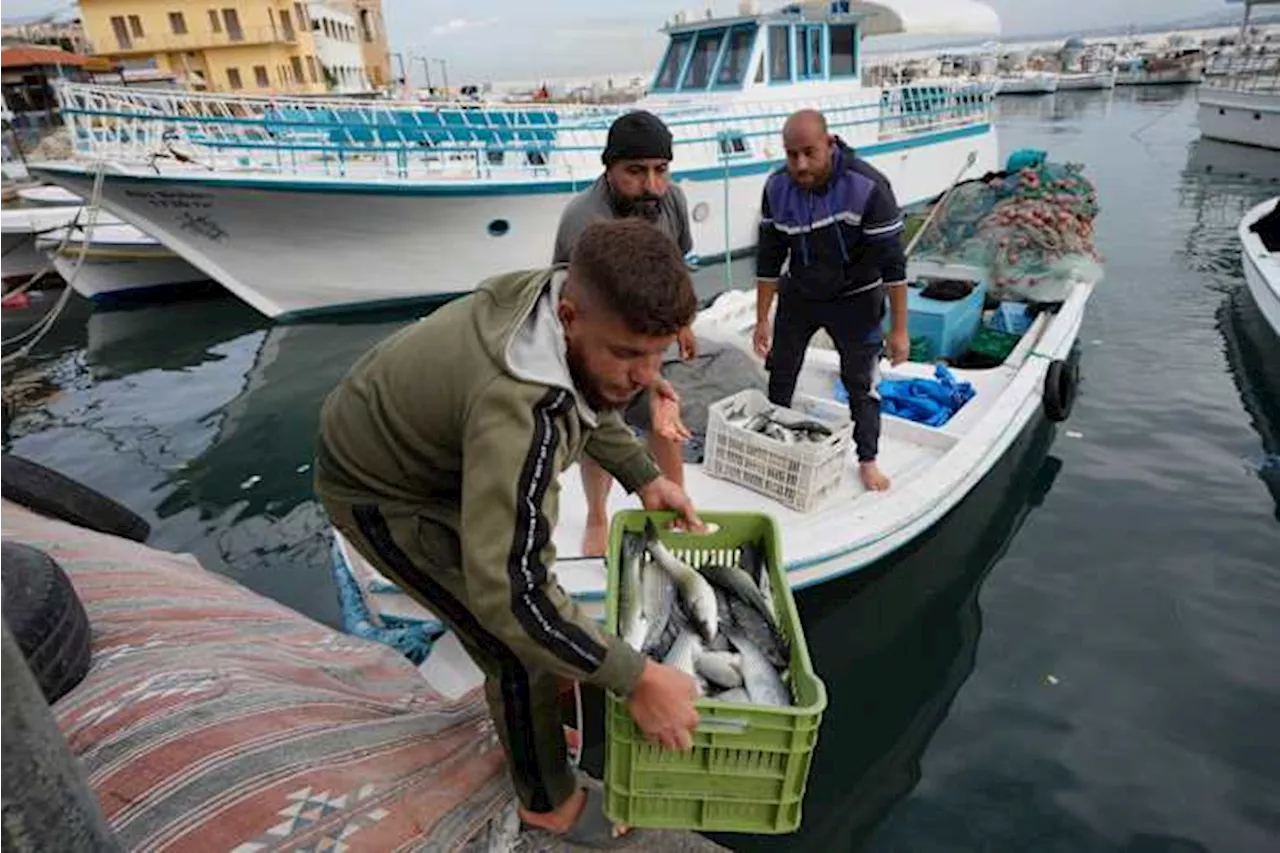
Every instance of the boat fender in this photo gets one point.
(49, 493)
(1060, 390)
(45, 616)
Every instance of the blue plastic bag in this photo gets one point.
(927, 401)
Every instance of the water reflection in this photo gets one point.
(894, 644)
(1253, 354)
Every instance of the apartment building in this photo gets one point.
(239, 46)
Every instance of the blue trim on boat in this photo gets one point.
(495, 188)
(157, 293)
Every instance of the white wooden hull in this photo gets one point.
(1243, 117)
(1088, 80)
(120, 259)
(932, 468)
(104, 278)
(1164, 77)
(1028, 84)
(21, 258)
(288, 250)
(1261, 268)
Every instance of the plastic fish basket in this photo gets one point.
(799, 476)
(749, 765)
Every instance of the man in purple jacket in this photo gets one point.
(834, 218)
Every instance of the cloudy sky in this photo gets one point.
(518, 39)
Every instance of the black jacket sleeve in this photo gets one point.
(882, 227)
(772, 247)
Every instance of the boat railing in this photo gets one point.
(387, 140)
(1258, 73)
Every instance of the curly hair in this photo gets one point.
(635, 271)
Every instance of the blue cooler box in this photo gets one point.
(948, 325)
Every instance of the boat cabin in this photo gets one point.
(795, 45)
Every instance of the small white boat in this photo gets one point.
(21, 227)
(1260, 244)
(1028, 83)
(119, 261)
(49, 195)
(932, 468)
(1086, 80)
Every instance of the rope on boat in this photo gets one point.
(42, 326)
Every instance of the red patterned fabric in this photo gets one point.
(215, 719)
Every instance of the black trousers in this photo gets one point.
(853, 322)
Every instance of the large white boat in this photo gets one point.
(299, 205)
(1240, 102)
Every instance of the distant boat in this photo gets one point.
(1028, 83)
(1087, 80)
(1242, 105)
(1170, 68)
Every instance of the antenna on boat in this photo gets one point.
(968, 164)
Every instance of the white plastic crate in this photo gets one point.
(799, 476)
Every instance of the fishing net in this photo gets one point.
(1032, 229)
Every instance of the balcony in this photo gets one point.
(114, 45)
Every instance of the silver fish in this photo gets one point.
(751, 561)
(685, 652)
(723, 669)
(737, 694)
(764, 685)
(760, 632)
(630, 607)
(658, 593)
(695, 591)
(736, 582)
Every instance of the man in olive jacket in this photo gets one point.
(438, 458)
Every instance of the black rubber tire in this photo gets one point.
(1060, 384)
(47, 492)
(46, 618)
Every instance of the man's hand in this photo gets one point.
(661, 703)
(688, 343)
(663, 494)
(762, 338)
(899, 346)
(664, 412)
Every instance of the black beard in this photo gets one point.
(586, 387)
(647, 207)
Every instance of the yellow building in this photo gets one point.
(373, 42)
(244, 46)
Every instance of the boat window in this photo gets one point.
(669, 72)
(733, 144)
(705, 49)
(779, 54)
(811, 52)
(844, 51)
(759, 78)
(733, 64)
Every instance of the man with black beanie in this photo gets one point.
(636, 182)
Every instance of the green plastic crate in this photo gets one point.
(993, 343)
(749, 764)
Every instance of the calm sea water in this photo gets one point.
(1082, 657)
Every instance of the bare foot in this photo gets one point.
(596, 540)
(572, 739)
(872, 478)
(561, 820)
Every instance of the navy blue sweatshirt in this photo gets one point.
(843, 238)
